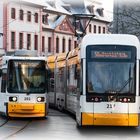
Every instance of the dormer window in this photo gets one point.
(21, 14)
(13, 13)
(91, 9)
(45, 19)
(100, 11)
(29, 16)
(36, 17)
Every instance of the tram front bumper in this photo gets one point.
(110, 119)
(26, 110)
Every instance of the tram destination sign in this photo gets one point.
(111, 54)
(26, 63)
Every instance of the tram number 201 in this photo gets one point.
(110, 105)
(27, 98)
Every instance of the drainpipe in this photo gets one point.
(5, 25)
(40, 45)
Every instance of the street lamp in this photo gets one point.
(1, 34)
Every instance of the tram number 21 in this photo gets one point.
(110, 105)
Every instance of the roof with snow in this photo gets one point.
(70, 7)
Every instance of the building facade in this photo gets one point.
(48, 27)
(22, 26)
(59, 36)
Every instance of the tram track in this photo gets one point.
(5, 122)
(11, 125)
(13, 128)
(18, 131)
(58, 115)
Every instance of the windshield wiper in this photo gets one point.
(123, 86)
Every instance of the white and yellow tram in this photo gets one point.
(100, 81)
(23, 85)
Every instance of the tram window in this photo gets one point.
(60, 76)
(77, 72)
(90, 87)
(61, 71)
(51, 85)
(73, 79)
(48, 77)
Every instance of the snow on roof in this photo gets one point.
(53, 25)
(82, 7)
(56, 7)
(49, 7)
(70, 7)
(75, 6)
(59, 6)
(36, 2)
(97, 8)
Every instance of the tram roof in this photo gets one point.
(73, 53)
(61, 57)
(51, 58)
(22, 58)
(109, 39)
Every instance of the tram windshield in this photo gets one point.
(26, 76)
(110, 77)
(111, 72)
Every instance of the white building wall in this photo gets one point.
(25, 27)
(18, 26)
(67, 37)
(98, 24)
(47, 34)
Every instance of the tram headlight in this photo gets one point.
(40, 99)
(13, 99)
